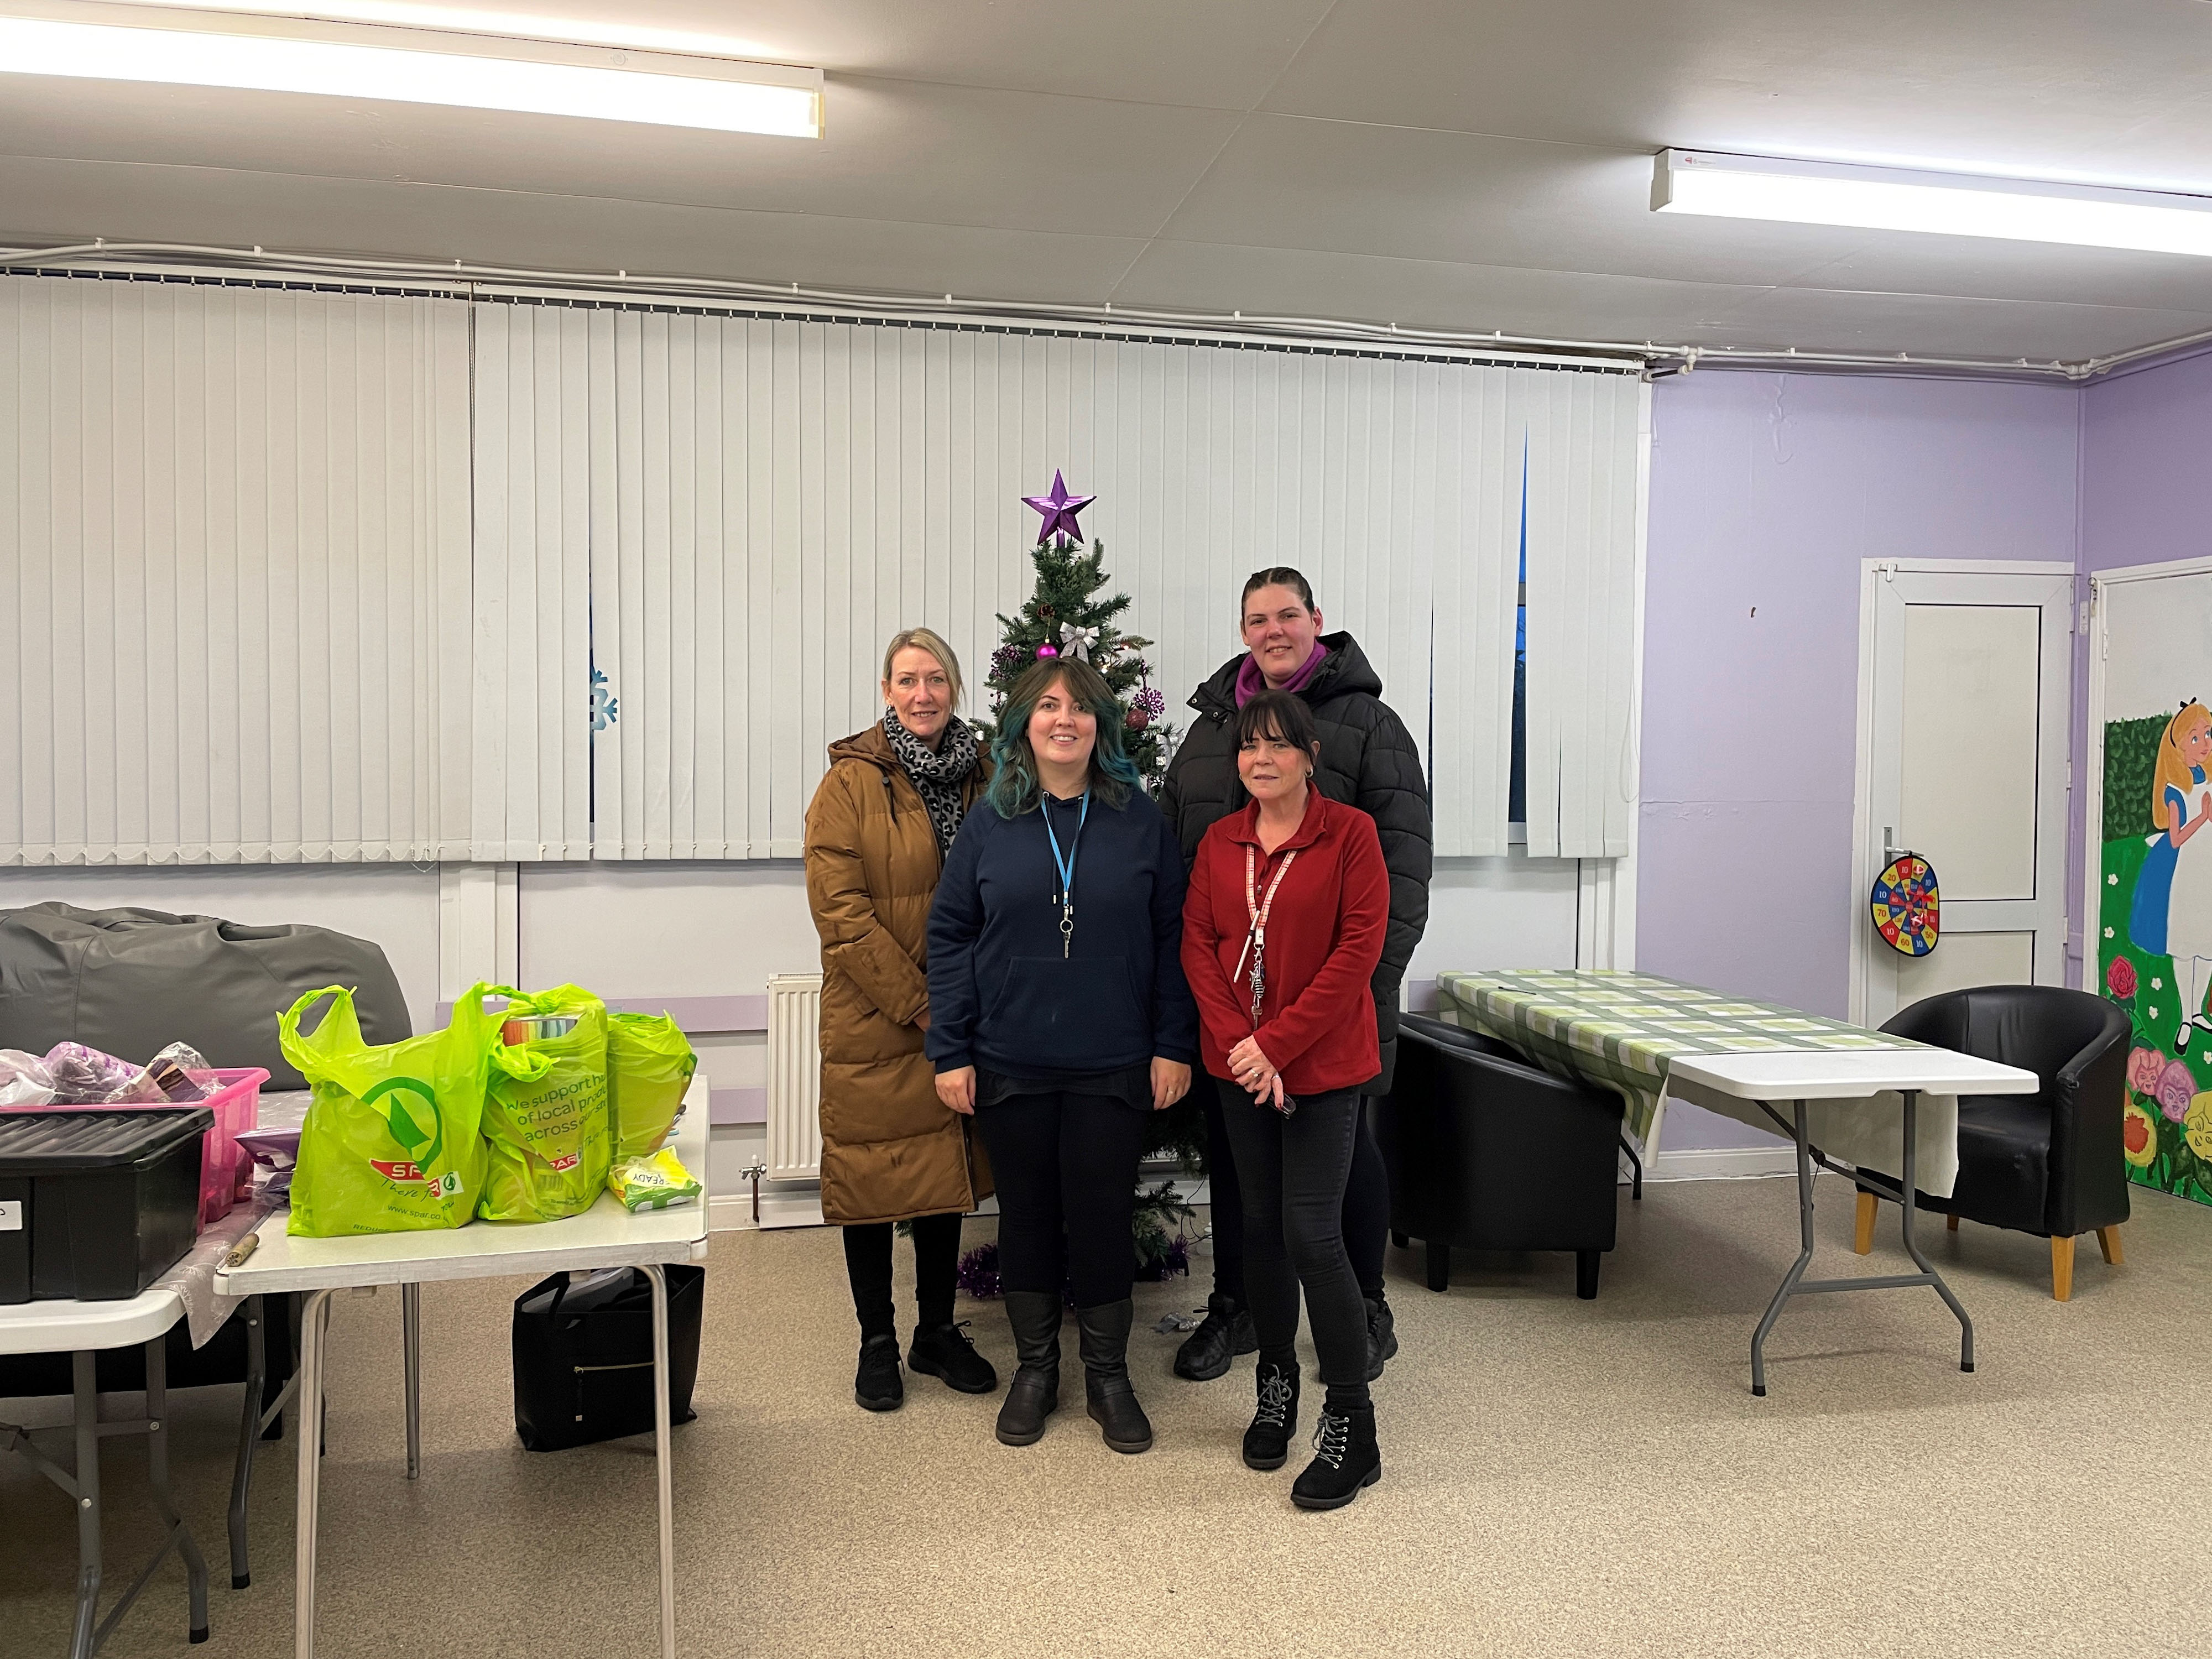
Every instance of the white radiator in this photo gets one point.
(794, 1077)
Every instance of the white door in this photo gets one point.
(1966, 687)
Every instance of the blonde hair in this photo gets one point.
(2172, 770)
(924, 639)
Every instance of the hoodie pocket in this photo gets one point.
(1067, 1014)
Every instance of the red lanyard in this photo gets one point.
(1255, 936)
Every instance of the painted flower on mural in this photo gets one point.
(2139, 1136)
(2175, 1090)
(2196, 1127)
(2120, 977)
(2143, 1067)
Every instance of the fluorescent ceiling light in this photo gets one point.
(1947, 204)
(282, 54)
(468, 20)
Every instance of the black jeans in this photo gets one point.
(1066, 1165)
(1366, 1206)
(936, 1264)
(1293, 1170)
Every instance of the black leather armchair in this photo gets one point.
(1487, 1152)
(2050, 1162)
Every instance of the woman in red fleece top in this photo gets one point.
(1282, 928)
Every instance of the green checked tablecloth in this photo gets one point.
(1619, 1031)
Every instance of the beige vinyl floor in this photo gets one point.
(1560, 1477)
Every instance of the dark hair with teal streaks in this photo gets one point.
(1014, 789)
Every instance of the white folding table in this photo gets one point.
(82, 1330)
(605, 1236)
(1797, 1076)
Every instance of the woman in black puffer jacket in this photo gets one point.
(1368, 760)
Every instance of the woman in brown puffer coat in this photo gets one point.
(875, 837)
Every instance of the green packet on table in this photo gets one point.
(656, 1182)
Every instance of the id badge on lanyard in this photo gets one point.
(1255, 936)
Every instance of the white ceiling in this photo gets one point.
(1457, 164)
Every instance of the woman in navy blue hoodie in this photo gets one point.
(1059, 1015)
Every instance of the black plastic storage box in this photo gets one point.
(96, 1205)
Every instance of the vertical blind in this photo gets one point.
(770, 500)
(416, 577)
(1582, 498)
(234, 549)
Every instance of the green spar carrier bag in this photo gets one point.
(545, 1118)
(649, 1065)
(393, 1140)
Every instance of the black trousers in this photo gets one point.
(1066, 1165)
(1293, 1171)
(1366, 1205)
(936, 1264)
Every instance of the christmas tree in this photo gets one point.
(1067, 615)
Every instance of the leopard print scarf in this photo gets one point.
(937, 774)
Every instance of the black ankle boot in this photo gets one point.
(1382, 1335)
(1034, 1394)
(877, 1385)
(1226, 1331)
(1345, 1459)
(946, 1350)
(1105, 1332)
(1267, 1441)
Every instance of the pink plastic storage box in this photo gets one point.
(226, 1171)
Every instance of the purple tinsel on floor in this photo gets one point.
(978, 1272)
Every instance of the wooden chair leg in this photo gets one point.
(2108, 1241)
(1950, 1223)
(2062, 1270)
(1863, 1235)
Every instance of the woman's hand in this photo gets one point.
(1255, 1072)
(956, 1088)
(1170, 1082)
(921, 1020)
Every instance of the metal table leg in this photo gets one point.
(659, 1278)
(1794, 1284)
(157, 1484)
(249, 1431)
(411, 1340)
(1789, 1284)
(314, 1321)
(88, 1503)
(1912, 1244)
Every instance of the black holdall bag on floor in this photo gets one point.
(583, 1355)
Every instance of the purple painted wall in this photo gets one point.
(1767, 492)
(2147, 465)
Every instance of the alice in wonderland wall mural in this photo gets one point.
(2155, 956)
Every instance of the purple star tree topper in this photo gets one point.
(1059, 509)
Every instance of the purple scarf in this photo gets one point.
(1250, 682)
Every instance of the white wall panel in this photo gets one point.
(236, 565)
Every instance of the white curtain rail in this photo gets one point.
(1655, 357)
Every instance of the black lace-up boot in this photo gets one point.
(1345, 1459)
(1034, 1394)
(877, 1385)
(1105, 1342)
(948, 1351)
(1225, 1332)
(1382, 1335)
(1267, 1441)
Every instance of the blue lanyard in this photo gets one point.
(1066, 867)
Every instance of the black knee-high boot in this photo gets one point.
(1105, 1343)
(1034, 1393)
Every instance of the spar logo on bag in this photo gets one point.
(401, 1115)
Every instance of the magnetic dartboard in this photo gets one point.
(1905, 904)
